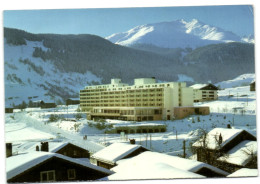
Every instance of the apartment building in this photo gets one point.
(204, 92)
(145, 100)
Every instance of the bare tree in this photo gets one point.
(252, 154)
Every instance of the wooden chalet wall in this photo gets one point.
(73, 151)
(61, 172)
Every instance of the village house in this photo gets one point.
(40, 166)
(243, 155)
(252, 86)
(221, 146)
(154, 165)
(72, 101)
(204, 92)
(109, 156)
(9, 110)
(145, 100)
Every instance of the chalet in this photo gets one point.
(153, 165)
(63, 148)
(72, 101)
(214, 147)
(109, 156)
(9, 110)
(204, 92)
(252, 86)
(50, 167)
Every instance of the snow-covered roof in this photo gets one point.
(115, 152)
(149, 160)
(20, 163)
(226, 133)
(151, 171)
(244, 172)
(198, 86)
(241, 153)
(31, 146)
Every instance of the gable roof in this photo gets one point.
(19, 163)
(53, 146)
(226, 133)
(204, 86)
(114, 152)
(198, 86)
(240, 154)
(150, 159)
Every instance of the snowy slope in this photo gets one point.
(23, 82)
(241, 80)
(179, 33)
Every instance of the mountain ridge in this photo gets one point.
(174, 34)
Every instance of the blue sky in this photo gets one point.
(106, 21)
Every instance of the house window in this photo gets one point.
(75, 153)
(48, 176)
(71, 174)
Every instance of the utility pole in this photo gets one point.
(150, 141)
(184, 149)
(146, 140)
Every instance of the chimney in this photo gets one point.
(9, 150)
(45, 146)
(228, 126)
(132, 141)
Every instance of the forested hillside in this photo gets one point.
(90, 53)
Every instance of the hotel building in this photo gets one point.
(145, 100)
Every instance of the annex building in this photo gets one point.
(204, 92)
(145, 100)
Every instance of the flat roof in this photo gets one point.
(127, 107)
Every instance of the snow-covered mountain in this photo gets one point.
(29, 78)
(242, 80)
(174, 34)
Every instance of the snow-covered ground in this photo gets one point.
(33, 123)
(23, 82)
(242, 80)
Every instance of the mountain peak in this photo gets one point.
(174, 34)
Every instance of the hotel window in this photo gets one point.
(47, 176)
(71, 174)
